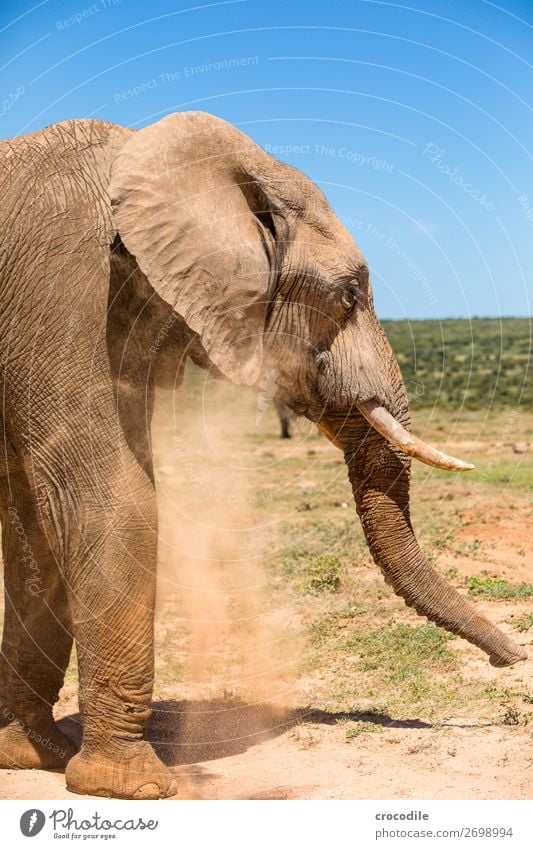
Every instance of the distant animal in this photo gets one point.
(286, 418)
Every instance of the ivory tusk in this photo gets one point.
(385, 424)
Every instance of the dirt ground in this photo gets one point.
(413, 761)
(262, 689)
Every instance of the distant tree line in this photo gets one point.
(478, 363)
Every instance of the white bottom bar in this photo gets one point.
(269, 824)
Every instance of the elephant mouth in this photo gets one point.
(366, 399)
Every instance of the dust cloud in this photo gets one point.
(213, 614)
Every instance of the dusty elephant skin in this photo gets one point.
(123, 254)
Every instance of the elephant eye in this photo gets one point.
(349, 297)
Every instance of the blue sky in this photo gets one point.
(415, 119)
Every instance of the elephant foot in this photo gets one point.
(132, 771)
(34, 745)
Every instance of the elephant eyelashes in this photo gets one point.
(349, 298)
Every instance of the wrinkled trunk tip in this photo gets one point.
(508, 659)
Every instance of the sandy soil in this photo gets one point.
(221, 747)
(410, 761)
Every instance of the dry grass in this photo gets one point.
(341, 642)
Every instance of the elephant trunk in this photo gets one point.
(379, 475)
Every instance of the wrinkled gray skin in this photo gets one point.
(123, 253)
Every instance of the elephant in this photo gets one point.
(286, 418)
(126, 252)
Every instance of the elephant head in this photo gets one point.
(248, 252)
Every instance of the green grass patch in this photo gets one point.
(498, 589)
(403, 651)
(324, 574)
(410, 670)
(517, 474)
(514, 475)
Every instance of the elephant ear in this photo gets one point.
(188, 208)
